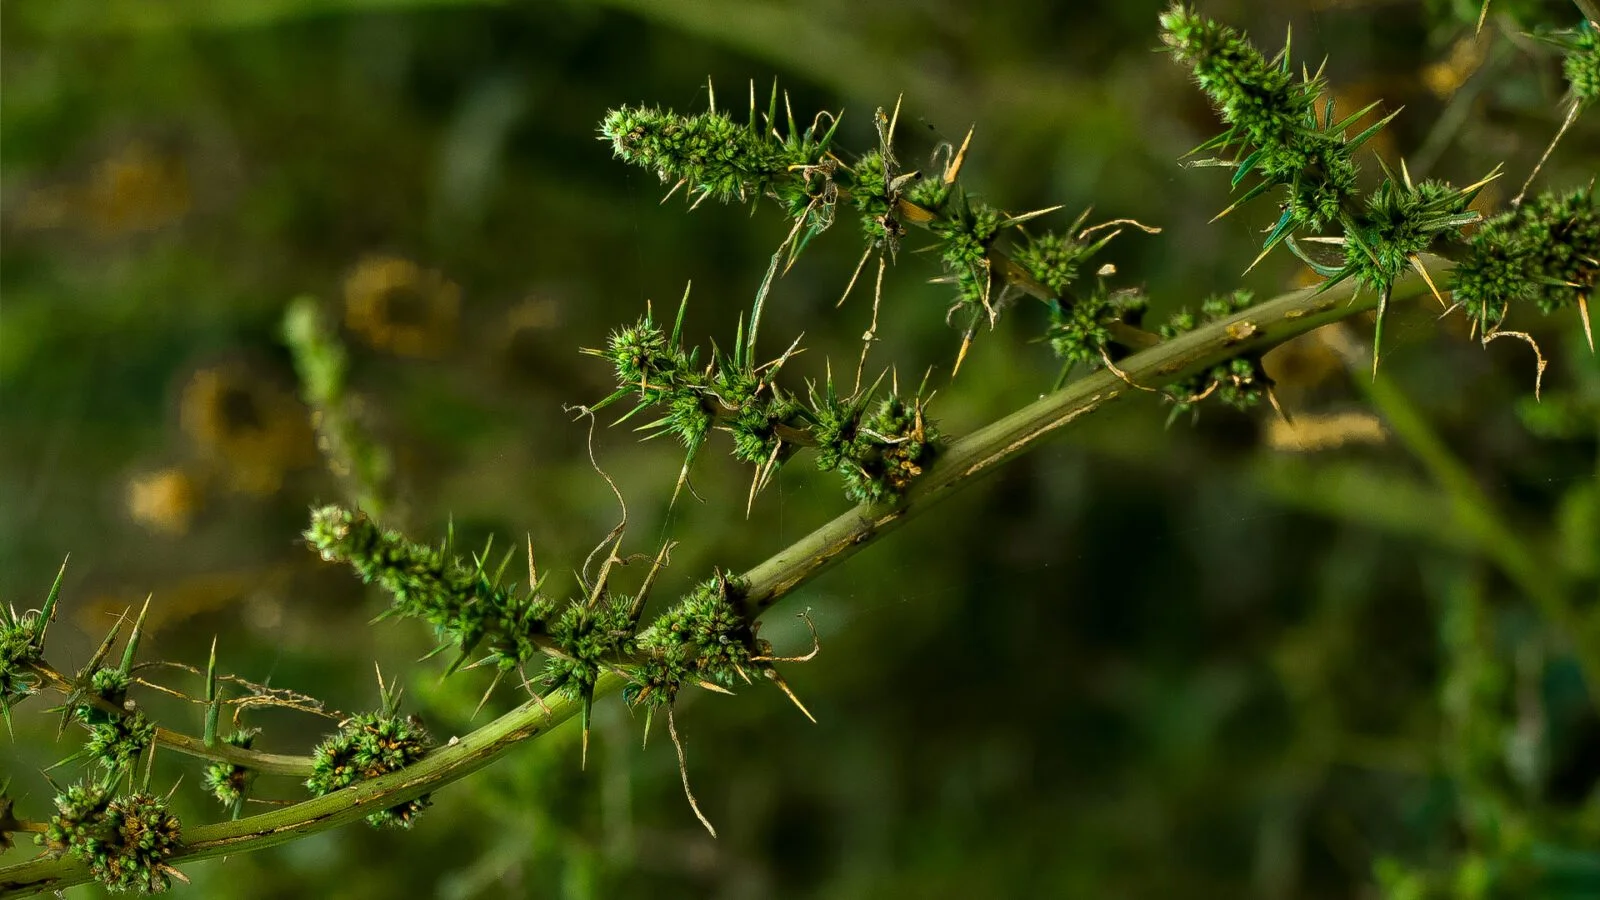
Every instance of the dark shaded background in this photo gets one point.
(1225, 660)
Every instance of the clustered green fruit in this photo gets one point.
(21, 646)
(125, 841)
(1581, 65)
(227, 782)
(1545, 252)
(1238, 383)
(1400, 221)
(877, 455)
(369, 745)
(704, 638)
(1272, 116)
(718, 158)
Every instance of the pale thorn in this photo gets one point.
(713, 687)
(533, 570)
(777, 363)
(649, 580)
(1272, 397)
(1257, 261)
(853, 276)
(711, 96)
(1028, 216)
(1147, 229)
(1383, 307)
(1405, 175)
(1583, 312)
(1483, 15)
(536, 696)
(1494, 174)
(954, 168)
(1572, 116)
(485, 698)
(1112, 367)
(674, 190)
(1538, 377)
(1231, 207)
(961, 355)
(784, 686)
(683, 771)
(794, 232)
(1416, 263)
(816, 645)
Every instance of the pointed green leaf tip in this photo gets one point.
(22, 646)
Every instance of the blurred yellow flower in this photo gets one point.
(1447, 76)
(165, 500)
(137, 189)
(396, 305)
(1310, 433)
(253, 431)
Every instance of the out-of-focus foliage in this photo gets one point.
(1248, 658)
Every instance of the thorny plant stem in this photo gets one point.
(267, 763)
(1253, 330)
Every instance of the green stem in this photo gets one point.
(268, 763)
(1251, 331)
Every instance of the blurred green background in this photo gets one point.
(1235, 659)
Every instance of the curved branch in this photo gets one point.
(1253, 330)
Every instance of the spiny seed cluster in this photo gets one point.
(704, 638)
(1272, 118)
(20, 647)
(367, 746)
(1545, 252)
(125, 841)
(229, 783)
(1275, 128)
(877, 446)
(715, 157)
(1239, 383)
(1581, 65)
(465, 604)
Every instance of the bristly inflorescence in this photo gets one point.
(1581, 62)
(877, 444)
(706, 640)
(804, 172)
(466, 604)
(22, 647)
(125, 841)
(1283, 128)
(1545, 252)
(369, 745)
(1239, 383)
